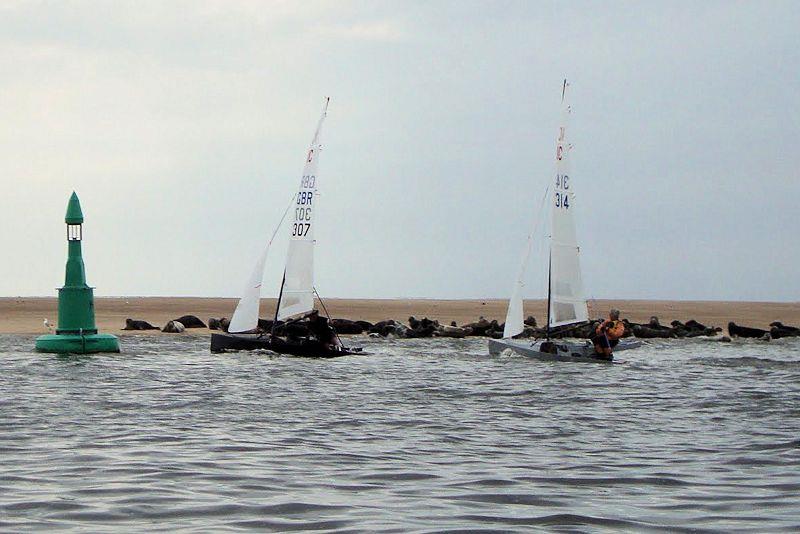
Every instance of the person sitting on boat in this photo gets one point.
(318, 327)
(606, 335)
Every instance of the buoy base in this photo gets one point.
(77, 344)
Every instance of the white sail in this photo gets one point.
(515, 321)
(567, 303)
(245, 317)
(297, 295)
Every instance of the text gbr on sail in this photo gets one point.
(302, 213)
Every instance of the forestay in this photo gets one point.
(567, 303)
(515, 322)
(297, 295)
(245, 317)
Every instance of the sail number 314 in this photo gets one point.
(562, 195)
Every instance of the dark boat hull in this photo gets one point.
(303, 348)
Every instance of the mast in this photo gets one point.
(549, 288)
(278, 304)
(550, 251)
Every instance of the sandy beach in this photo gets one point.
(25, 315)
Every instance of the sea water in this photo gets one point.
(422, 435)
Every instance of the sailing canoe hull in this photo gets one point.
(566, 351)
(302, 348)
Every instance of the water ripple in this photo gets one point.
(424, 436)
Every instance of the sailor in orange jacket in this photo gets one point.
(607, 334)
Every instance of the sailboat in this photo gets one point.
(566, 305)
(296, 297)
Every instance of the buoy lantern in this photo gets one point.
(76, 332)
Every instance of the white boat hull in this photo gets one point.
(566, 350)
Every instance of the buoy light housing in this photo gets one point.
(74, 232)
(74, 219)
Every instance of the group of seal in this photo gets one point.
(425, 328)
(777, 330)
(677, 329)
(174, 326)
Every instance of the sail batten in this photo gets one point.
(297, 296)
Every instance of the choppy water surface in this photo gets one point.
(425, 435)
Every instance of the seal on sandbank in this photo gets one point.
(173, 327)
(132, 324)
(191, 321)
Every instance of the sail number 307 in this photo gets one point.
(300, 229)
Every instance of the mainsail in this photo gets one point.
(297, 292)
(567, 304)
(565, 289)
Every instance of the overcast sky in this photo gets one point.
(183, 127)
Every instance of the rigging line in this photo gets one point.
(283, 218)
(531, 235)
(325, 309)
(283, 281)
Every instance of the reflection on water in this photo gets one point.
(422, 435)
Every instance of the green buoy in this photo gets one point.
(76, 332)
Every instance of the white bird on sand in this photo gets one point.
(48, 325)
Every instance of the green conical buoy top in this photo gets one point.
(74, 213)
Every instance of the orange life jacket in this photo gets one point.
(615, 329)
